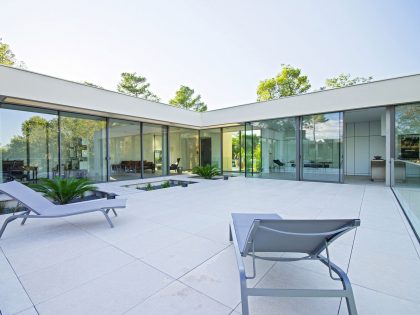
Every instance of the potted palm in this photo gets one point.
(208, 171)
(64, 190)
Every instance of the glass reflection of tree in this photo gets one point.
(407, 125)
(75, 134)
(407, 119)
(237, 149)
(33, 146)
(309, 123)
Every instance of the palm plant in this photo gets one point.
(208, 171)
(166, 184)
(149, 187)
(63, 190)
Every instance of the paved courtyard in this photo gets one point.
(169, 253)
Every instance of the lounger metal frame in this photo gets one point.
(346, 292)
(26, 214)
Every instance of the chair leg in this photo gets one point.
(107, 218)
(244, 295)
(351, 304)
(230, 234)
(25, 218)
(6, 222)
(113, 210)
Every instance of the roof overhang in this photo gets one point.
(32, 89)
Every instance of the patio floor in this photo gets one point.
(169, 253)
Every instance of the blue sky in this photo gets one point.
(222, 49)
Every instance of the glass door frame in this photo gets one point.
(300, 155)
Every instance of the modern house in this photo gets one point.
(371, 131)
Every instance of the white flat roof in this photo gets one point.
(26, 87)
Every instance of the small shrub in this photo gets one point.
(63, 190)
(208, 171)
(166, 184)
(149, 187)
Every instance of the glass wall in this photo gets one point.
(273, 148)
(155, 139)
(83, 146)
(405, 169)
(234, 149)
(322, 136)
(184, 149)
(210, 145)
(124, 149)
(252, 150)
(28, 143)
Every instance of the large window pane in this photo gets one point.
(28, 143)
(124, 149)
(210, 147)
(321, 147)
(407, 132)
(154, 150)
(184, 146)
(406, 167)
(234, 149)
(273, 146)
(83, 145)
(252, 150)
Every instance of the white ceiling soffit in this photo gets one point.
(28, 85)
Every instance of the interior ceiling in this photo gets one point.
(360, 115)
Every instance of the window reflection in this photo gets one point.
(321, 146)
(83, 145)
(28, 143)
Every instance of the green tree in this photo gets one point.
(7, 57)
(288, 82)
(136, 85)
(343, 80)
(92, 84)
(184, 98)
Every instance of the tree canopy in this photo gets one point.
(184, 98)
(343, 80)
(288, 82)
(136, 85)
(7, 57)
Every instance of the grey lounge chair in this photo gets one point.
(269, 233)
(43, 208)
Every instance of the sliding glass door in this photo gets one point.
(155, 139)
(271, 148)
(83, 146)
(233, 149)
(28, 143)
(124, 149)
(321, 147)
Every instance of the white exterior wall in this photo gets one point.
(379, 93)
(71, 96)
(17, 83)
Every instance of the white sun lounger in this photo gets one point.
(41, 207)
(269, 233)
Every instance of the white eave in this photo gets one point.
(35, 89)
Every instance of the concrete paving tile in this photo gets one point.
(113, 293)
(178, 299)
(183, 256)
(46, 283)
(219, 278)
